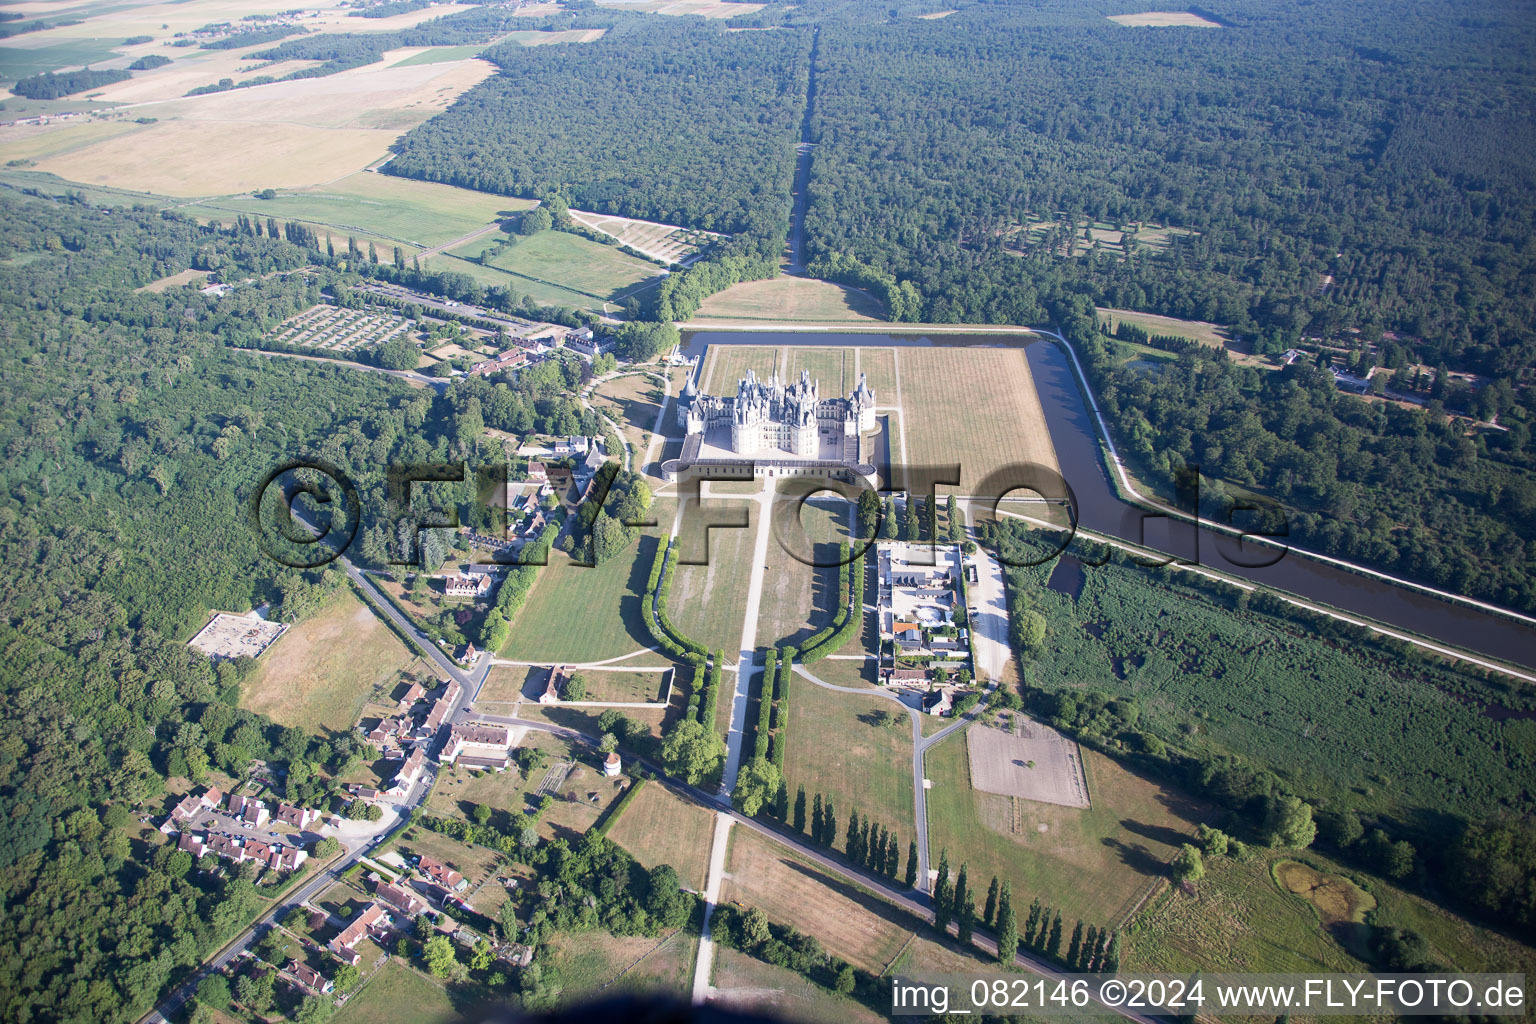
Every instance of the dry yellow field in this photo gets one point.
(282, 135)
(1001, 423)
(1163, 19)
(865, 931)
(660, 827)
(175, 281)
(790, 298)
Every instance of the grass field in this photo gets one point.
(841, 746)
(421, 213)
(175, 281)
(1163, 19)
(580, 614)
(399, 995)
(724, 365)
(548, 294)
(879, 368)
(791, 298)
(633, 402)
(1213, 335)
(1095, 863)
(595, 963)
(833, 367)
(318, 674)
(752, 986)
(1001, 424)
(569, 260)
(569, 35)
(708, 602)
(660, 827)
(864, 930)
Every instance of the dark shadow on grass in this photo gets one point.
(1136, 857)
(1157, 833)
(873, 904)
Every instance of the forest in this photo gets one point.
(50, 86)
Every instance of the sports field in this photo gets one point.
(1000, 424)
(862, 929)
(559, 257)
(1096, 864)
(660, 827)
(421, 213)
(321, 671)
(853, 750)
(791, 298)
(577, 614)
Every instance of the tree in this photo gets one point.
(692, 752)
(398, 354)
(326, 847)
(844, 982)
(440, 957)
(868, 513)
(346, 978)
(1187, 866)
(1288, 822)
(314, 1010)
(1075, 948)
(943, 907)
(481, 956)
(853, 841)
(756, 785)
(965, 914)
(829, 824)
(1034, 928)
(1053, 944)
(962, 889)
(1213, 841)
(575, 688)
(799, 821)
(482, 813)
(818, 820)
(213, 991)
(989, 909)
(609, 743)
(911, 878)
(535, 221)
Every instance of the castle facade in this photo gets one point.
(769, 415)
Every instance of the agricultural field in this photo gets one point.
(791, 298)
(282, 135)
(748, 985)
(1097, 864)
(321, 671)
(667, 243)
(862, 929)
(564, 259)
(708, 602)
(334, 329)
(660, 827)
(855, 751)
(400, 210)
(578, 614)
(1003, 423)
(399, 995)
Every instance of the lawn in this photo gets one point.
(320, 673)
(833, 367)
(660, 827)
(459, 790)
(862, 929)
(1210, 334)
(580, 800)
(800, 598)
(579, 614)
(399, 995)
(1096, 863)
(542, 292)
(724, 365)
(792, 298)
(567, 260)
(1001, 424)
(879, 368)
(752, 986)
(421, 213)
(854, 750)
(847, 672)
(633, 401)
(708, 602)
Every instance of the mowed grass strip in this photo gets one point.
(826, 365)
(399, 995)
(571, 261)
(708, 603)
(1093, 863)
(855, 751)
(862, 929)
(799, 594)
(974, 407)
(660, 827)
(319, 674)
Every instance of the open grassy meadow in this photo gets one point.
(660, 827)
(855, 751)
(559, 257)
(1000, 425)
(792, 298)
(751, 986)
(320, 673)
(399, 995)
(596, 964)
(419, 213)
(1213, 335)
(541, 291)
(1097, 863)
(850, 923)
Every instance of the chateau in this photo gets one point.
(770, 427)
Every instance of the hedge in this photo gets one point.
(848, 621)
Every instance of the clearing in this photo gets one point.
(789, 298)
(1098, 863)
(850, 923)
(660, 827)
(563, 259)
(319, 674)
(1163, 19)
(1205, 333)
(398, 995)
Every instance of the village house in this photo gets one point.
(190, 806)
(467, 585)
(192, 843)
(511, 359)
(478, 746)
(373, 921)
(409, 772)
(249, 810)
(414, 694)
(400, 898)
(442, 874)
(558, 677)
(310, 978)
(298, 817)
(538, 473)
